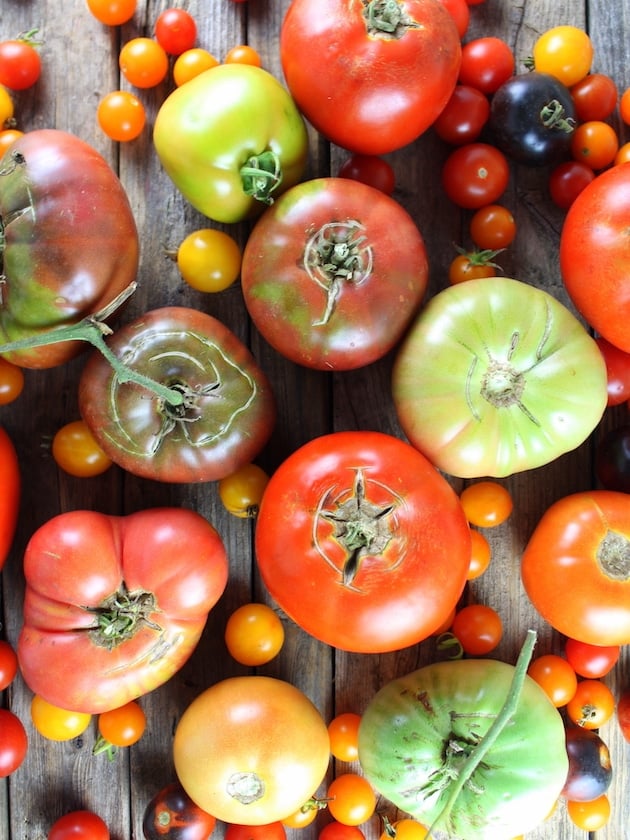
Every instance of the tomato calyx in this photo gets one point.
(613, 556)
(335, 255)
(28, 37)
(387, 19)
(553, 115)
(483, 256)
(121, 615)
(245, 787)
(261, 176)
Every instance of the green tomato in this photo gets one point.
(496, 376)
(231, 139)
(418, 732)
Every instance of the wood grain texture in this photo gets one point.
(80, 66)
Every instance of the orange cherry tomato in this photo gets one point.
(143, 62)
(590, 816)
(254, 634)
(555, 676)
(191, 63)
(592, 705)
(243, 54)
(478, 628)
(486, 503)
(351, 799)
(480, 556)
(343, 731)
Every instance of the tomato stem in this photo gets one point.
(387, 18)
(261, 175)
(93, 330)
(504, 716)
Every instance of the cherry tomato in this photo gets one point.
(57, 724)
(592, 705)
(486, 63)
(595, 143)
(13, 742)
(591, 815)
(565, 52)
(76, 451)
(143, 62)
(481, 555)
(243, 54)
(460, 12)
(369, 169)
(493, 227)
(20, 64)
(618, 371)
(254, 634)
(121, 115)
(486, 503)
(624, 106)
(8, 137)
(209, 260)
(351, 799)
(271, 831)
(612, 459)
(241, 492)
(305, 815)
(567, 180)
(556, 676)
(338, 831)
(123, 726)
(470, 265)
(79, 825)
(591, 661)
(8, 664)
(191, 63)
(474, 175)
(404, 829)
(478, 628)
(595, 97)
(7, 108)
(344, 731)
(463, 117)
(11, 378)
(623, 714)
(172, 815)
(623, 154)
(112, 12)
(176, 30)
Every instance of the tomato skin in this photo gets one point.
(251, 750)
(230, 399)
(172, 815)
(398, 587)
(79, 825)
(474, 175)
(99, 558)
(570, 547)
(408, 724)
(75, 254)
(372, 113)
(10, 489)
(13, 742)
(331, 315)
(593, 244)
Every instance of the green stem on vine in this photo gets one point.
(502, 719)
(93, 330)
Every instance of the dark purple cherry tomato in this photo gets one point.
(172, 815)
(590, 768)
(612, 460)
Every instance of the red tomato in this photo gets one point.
(176, 30)
(623, 714)
(8, 664)
(575, 548)
(79, 825)
(463, 117)
(371, 170)
(593, 244)
(567, 180)
(10, 485)
(591, 661)
(271, 831)
(460, 13)
(11, 382)
(595, 143)
(20, 64)
(367, 110)
(172, 814)
(478, 628)
(486, 63)
(474, 175)
(342, 296)
(338, 831)
(120, 591)
(13, 742)
(378, 532)
(618, 371)
(556, 676)
(595, 97)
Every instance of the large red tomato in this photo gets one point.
(69, 240)
(362, 542)
(9, 493)
(576, 567)
(114, 606)
(333, 273)
(370, 76)
(595, 257)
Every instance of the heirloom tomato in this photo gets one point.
(333, 273)
(581, 545)
(69, 242)
(422, 746)
(115, 605)
(216, 415)
(594, 254)
(10, 486)
(172, 814)
(371, 76)
(496, 376)
(362, 542)
(231, 139)
(251, 750)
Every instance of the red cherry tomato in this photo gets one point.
(463, 117)
(591, 661)
(474, 175)
(618, 371)
(20, 64)
(176, 31)
(486, 63)
(372, 170)
(567, 180)
(478, 628)
(79, 825)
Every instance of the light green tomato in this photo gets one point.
(231, 139)
(419, 730)
(496, 376)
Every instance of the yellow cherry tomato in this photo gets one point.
(565, 52)
(191, 63)
(55, 723)
(76, 451)
(254, 634)
(209, 260)
(241, 491)
(6, 108)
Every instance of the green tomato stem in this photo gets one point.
(502, 719)
(261, 175)
(93, 330)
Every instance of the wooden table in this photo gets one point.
(79, 66)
